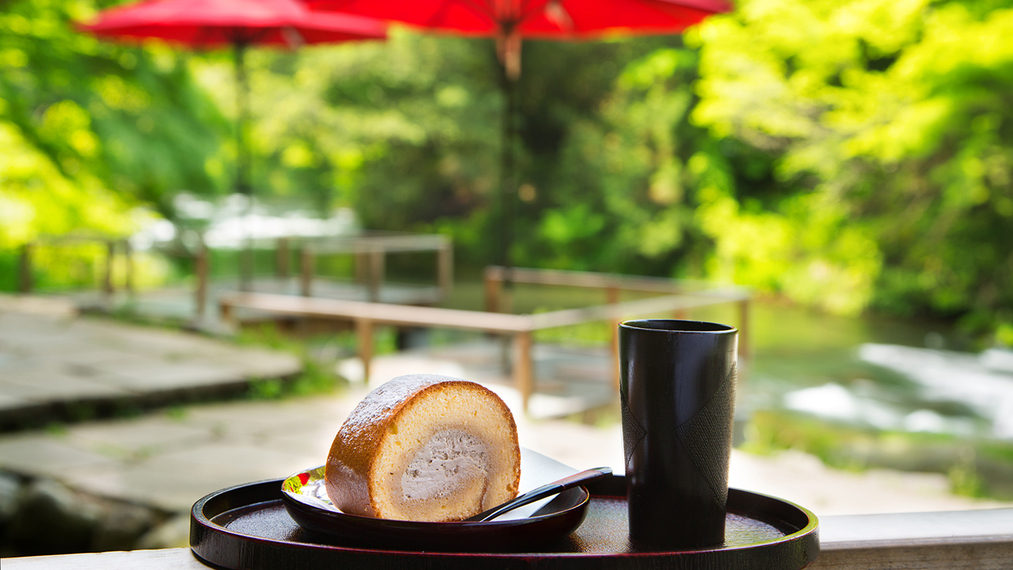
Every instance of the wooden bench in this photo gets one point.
(366, 315)
(680, 294)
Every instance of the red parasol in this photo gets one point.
(239, 24)
(215, 23)
(510, 21)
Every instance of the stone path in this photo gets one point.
(57, 366)
(168, 459)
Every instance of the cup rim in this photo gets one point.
(678, 326)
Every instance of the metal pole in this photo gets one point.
(507, 175)
(242, 184)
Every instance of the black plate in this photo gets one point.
(306, 501)
(247, 527)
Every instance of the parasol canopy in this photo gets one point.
(509, 21)
(224, 23)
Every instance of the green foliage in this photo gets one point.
(965, 480)
(102, 116)
(846, 155)
(266, 389)
(626, 167)
(403, 130)
(893, 116)
(408, 132)
(91, 132)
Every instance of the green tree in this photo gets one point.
(408, 131)
(91, 130)
(404, 131)
(891, 124)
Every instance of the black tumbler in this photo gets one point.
(677, 386)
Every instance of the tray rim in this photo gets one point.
(807, 536)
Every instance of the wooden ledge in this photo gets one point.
(937, 540)
(958, 539)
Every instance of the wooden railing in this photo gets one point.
(694, 293)
(365, 315)
(371, 250)
(26, 259)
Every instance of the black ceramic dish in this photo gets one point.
(302, 495)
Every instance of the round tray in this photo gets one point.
(248, 528)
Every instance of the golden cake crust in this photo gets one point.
(354, 476)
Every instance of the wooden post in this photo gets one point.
(361, 265)
(364, 334)
(493, 278)
(128, 277)
(225, 313)
(107, 280)
(744, 347)
(377, 258)
(523, 368)
(25, 269)
(493, 283)
(445, 268)
(612, 294)
(281, 260)
(247, 265)
(306, 271)
(201, 291)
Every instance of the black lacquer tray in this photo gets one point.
(248, 528)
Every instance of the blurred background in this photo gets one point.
(848, 161)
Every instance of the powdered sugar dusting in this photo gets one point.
(383, 401)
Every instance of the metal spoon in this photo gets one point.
(542, 492)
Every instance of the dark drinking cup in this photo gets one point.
(677, 386)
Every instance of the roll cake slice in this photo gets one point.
(425, 448)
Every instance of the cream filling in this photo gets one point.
(452, 461)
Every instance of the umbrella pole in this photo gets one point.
(506, 208)
(507, 166)
(242, 184)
